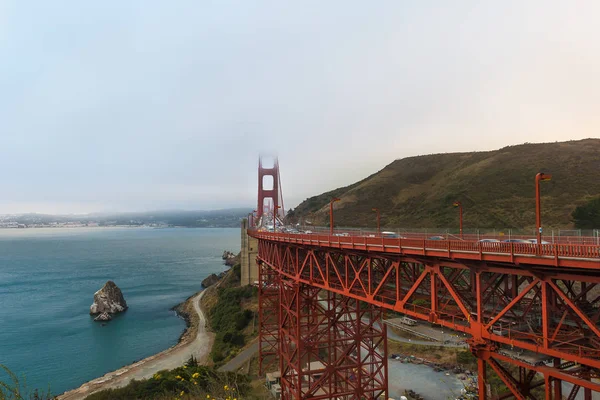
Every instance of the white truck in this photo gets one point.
(408, 321)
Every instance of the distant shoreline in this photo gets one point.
(5, 229)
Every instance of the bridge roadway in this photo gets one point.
(554, 284)
(553, 254)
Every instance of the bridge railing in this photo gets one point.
(591, 236)
(456, 247)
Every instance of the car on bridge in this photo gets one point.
(516, 241)
(489, 241)
(534, 241)
(436, 238)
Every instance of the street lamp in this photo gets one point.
(378, 221)
(538, 217)
(459, 205)
(331, 214)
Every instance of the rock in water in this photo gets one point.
(103, 317)
(109, 300)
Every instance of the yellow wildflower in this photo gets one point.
(182, 393)
(185, 367)
(178, 377)
(208, 396)
(195, 383)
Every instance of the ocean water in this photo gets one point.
(47, 282)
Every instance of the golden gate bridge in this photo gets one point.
(322, 298)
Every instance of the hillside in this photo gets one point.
(496, 189)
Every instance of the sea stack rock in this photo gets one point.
(108, 300)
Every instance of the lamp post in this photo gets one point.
(378, 221)
(460, 218)
(331, 214)
(538, 217)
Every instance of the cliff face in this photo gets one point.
(109, 300)
(230, 258)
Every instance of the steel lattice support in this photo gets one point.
(268, 318)
(505, 309)
(330, 346)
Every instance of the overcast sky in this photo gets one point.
(138, 105)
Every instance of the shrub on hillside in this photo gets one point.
(228, 319)
(182, 382)
(587, 216)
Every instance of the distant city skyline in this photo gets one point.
(140, 106)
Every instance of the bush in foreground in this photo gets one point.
(11, 388)
(186, 382)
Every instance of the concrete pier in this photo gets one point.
(249, 253)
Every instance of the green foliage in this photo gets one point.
(237, 271)
(228, 319)
(496, 189)
(191, 362)
(11, 388)
(587, 216)
(195, 380)
(421, 302)
(466, 358)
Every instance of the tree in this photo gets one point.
(587, 216)
(290, 218)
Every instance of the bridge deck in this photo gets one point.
(557, 254)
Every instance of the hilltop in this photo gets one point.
(496, 189)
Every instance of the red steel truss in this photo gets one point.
(505, 303)
(331, 346)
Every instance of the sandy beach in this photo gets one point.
(198, 346)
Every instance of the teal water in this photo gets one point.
(47, 282)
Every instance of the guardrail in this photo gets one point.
(547, 254)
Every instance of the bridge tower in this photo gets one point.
(269, 192)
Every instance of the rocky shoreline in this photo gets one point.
(184, 310)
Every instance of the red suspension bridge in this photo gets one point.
(322, 298)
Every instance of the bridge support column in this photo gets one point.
(268, 318)
(331, 347)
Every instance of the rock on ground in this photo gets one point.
(230, 258)
(210, 280)
(109, 300)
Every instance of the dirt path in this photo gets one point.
(168, 359)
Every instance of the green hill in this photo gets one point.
(496, 189)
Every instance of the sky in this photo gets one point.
(145, 105)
